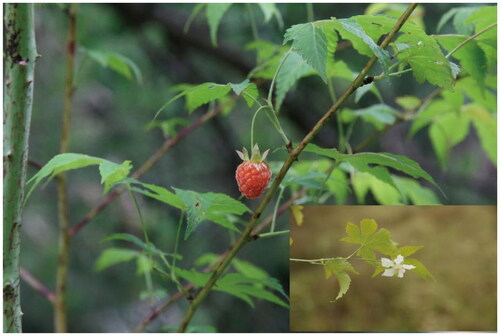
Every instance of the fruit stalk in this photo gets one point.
(292, 157)
(19, 65)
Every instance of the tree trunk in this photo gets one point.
(19, 64)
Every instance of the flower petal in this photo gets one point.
(408, 267)
(387, 262)
(401, 272)
(388, 272)
(399, 259)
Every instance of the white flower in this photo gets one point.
(395, 267)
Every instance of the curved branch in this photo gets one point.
(292, 157)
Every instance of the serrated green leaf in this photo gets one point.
(270, 10)
(339, 268)
(251, 94)
(378, 114)
(209, 206)
(113, 256)
(398, 162)
(472, 58)
(368, 226)
(384, 193)
(361, 91)
(292, 69)
(158, 193)
(215, 12)
(350, 27)
(205, 93)
(427, 115)
(117, 62)
(111, 173)
(446, 131)
(69, 161)
(406, 251)
(408, 102)
(416, 193)
(249, 270)
(310, 42)
(459, 15)
(486, 127)
(420, 269)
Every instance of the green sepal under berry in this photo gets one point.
(255, 157)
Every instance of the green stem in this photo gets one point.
(470, 39)
(292, 157)
(19, 65)
(274, 234)
(255, 32)
(253, 123)
(273, 223)
(310, 11)
(270, 94)
(139, 213)
(60, 312)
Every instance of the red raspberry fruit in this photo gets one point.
(253, 174)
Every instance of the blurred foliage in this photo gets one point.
(460, 251)
(131, 58)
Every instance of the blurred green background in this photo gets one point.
(460, 251)
(109, 118)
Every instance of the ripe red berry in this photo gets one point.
(253, 174)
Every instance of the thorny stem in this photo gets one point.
(60, 313)
(292, 157)
(19, 66)
(255, 233)
(167, 145)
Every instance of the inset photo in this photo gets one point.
(393, 269)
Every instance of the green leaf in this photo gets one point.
(416, 193)
(398, 162)
(378, 114)
(292, 69)
(459, 15)
(270, 10)
(425, 57)
(446, 131)
(158, 193)
(169, 126)
(209, 206)
(339, 268)
(144, 264)
(486, 128)
(249, 270)
(472, 58)
(117, 62)
(311, 42)
(111, 173)
(215, 12)
(249, 90)
(113, 256)
(241, 286)
(408, 102)
(406, 251)
(420, 269)
(349, 28)
(198, 95)
(385, 193)
(429, 113)
(193, 276)
(369, 239)
(149, 247)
